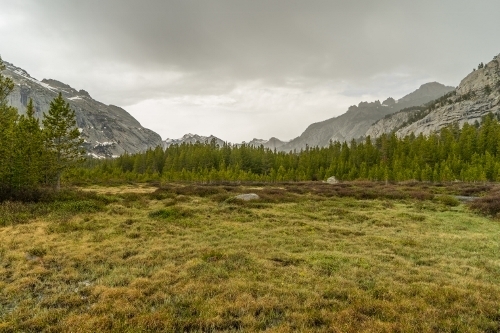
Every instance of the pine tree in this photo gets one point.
(62, 138)
(28, 151)
(8, 117)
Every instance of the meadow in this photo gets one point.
(307, 257)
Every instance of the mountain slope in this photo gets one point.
(356, 121)
(108, 130)
(477, 95)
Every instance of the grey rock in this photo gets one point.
(388, 124)
(332, 180)
(108, 130)
(247, 197)
(465, 198)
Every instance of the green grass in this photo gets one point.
(305, 257)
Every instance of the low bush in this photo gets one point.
(448, 200)
(23, 195)
(487, 205)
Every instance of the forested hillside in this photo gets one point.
(471, 153)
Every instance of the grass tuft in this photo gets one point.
(171, 213)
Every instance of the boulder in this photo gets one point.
(247, 196)
(332, 180)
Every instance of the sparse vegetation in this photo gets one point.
(487, 90)
(310, 257)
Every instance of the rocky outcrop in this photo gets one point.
(108, 130)
(357, 120)
(477, 95)
(388, 124)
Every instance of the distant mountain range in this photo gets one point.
(272, 143)
(351, 125)
(108, 130)
(426, 110)
(192, 138)
(357, 120)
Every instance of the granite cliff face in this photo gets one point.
(108, 130)
(477, 95)
(358, 119)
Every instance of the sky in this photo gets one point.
(247, 69)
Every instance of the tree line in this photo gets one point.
(34, 154)
(470, 153)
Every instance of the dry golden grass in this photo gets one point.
(192, 259)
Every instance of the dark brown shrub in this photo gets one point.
(487, 205)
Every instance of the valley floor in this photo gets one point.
(304, 257)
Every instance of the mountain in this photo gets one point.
(108, 130)
(358, 119)
(272, 143)
(477, 95)
(192, 138)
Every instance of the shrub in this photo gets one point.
(448, 200)
(487, 205)
(23, 195)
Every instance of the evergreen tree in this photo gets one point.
(62, 138)
(29, 150)
(8, 117)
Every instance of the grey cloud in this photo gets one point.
(273, 40)
(139, 53)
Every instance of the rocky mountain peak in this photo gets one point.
(425, 93)
(389, 102)
(107, 130)
(272, 143)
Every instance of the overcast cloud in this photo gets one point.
(243, 69)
